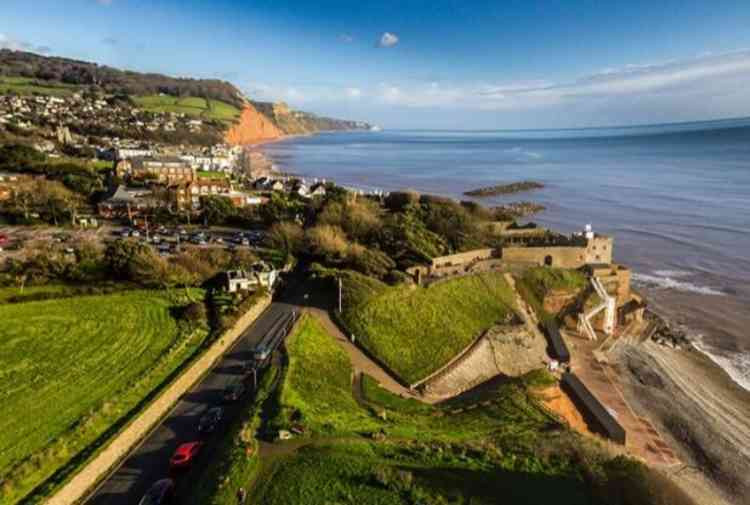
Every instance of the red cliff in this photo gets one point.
(252, 127)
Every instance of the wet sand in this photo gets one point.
(702, 413)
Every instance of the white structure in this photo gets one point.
(261, 275)
(608, 305)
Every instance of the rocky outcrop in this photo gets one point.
(252, 127)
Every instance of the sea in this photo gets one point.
(676, 198)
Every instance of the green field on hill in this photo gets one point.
(72, 369)
(191, 106)
(318, 385)
(415, 331)
(27, 86)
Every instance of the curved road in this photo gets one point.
(150, 461)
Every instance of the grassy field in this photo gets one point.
(317, 391)
(73, 368)
(415, 331)
(26, 86)
(191, 106)
(209, 174)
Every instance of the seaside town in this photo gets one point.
(220, 330)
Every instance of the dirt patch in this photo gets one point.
(557, 401)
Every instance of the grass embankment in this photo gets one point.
(73, 370)
(373, 448)
(190, 106)
(534, 284)
(27, 86)
(415, 331)
(317, 391)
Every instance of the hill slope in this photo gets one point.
(245, 121)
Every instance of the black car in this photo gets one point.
(234, 392)
(210, 420)
(160, 493)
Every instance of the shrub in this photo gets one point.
(327, 241)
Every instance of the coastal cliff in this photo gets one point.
(252, 127)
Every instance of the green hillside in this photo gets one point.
(415, 331)
(74, 367)
(191, 106)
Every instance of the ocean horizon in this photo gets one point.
(676, 198)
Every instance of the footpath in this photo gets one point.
(360, 362)
(125, 441)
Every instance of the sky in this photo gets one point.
(418, 64)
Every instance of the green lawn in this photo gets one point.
(317, 391)
(415, 331)
(27, 86)
(210, 174)
(191, 106)
(72, 368)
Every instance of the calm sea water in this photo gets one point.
(675, 197)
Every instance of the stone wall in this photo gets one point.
(558, 256)
(509, 350)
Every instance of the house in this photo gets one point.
(127, 203)
(126, 153)
(164, 169)
(318, 189)
(188, 195)
(260, 274)
(240, 199)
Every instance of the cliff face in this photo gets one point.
(253, 126)
(267, 121)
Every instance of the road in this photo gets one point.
(150, 461)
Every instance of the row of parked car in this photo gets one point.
(162, 492)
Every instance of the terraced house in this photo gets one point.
(164, 169)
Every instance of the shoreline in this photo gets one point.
(677, 300)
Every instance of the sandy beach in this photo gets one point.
(699, 410)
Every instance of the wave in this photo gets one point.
(736, 365)
(666, 281)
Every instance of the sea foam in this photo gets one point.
(667, 279)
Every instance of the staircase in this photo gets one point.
(608, 305)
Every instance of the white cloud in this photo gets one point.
(354, 93)
(388, 39)
(7, 42)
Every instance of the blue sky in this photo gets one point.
(436, 64)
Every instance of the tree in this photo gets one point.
(327, 241)
(370, 262)
(217, 209)
(287, 237)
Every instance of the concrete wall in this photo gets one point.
(129, 438)
(561, 257)
(463, 258)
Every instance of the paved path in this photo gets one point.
(361, 363)
(150, 461)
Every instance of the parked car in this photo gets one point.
(3, 239)
(210, 420)
(135, 233)
(234, 392)
(184, 455)
(160, 493)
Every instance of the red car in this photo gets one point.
(184, 455)
(3, 239)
